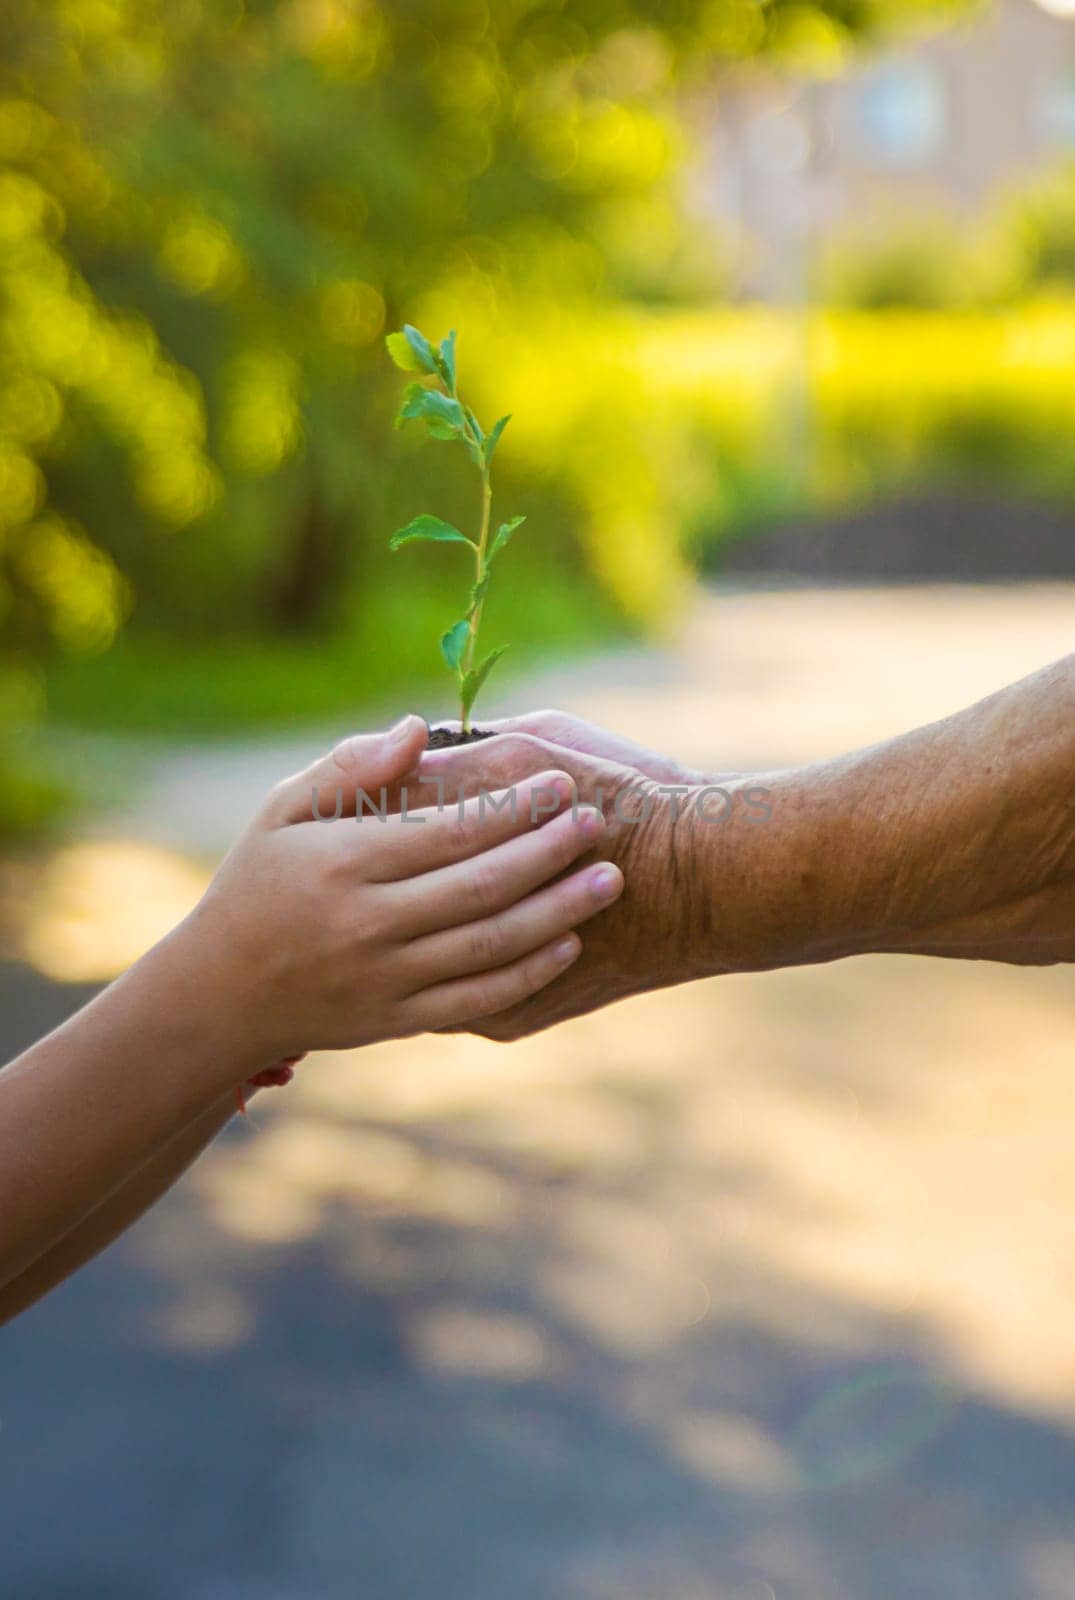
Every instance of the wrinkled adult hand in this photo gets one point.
(659, 932)
(956, 839)
(589, 739)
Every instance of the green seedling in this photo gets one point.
(434, 400)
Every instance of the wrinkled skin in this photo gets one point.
(658, 933)
(957, 839)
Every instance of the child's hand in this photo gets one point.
(317, 935)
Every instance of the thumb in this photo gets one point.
(369, 761)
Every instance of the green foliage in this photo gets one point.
(454, 643)
(446, 417)
(893, 401)
(446, 368)
(31, 800)
(1023, 245)
(1045, 221)
(411, 351)
(399, 348)
(209, 215)
(271, 681)
(930, 263)
(494, 438)
(755, 413)
(473, 680)
(432, 529)
(503, 534)
(442, 413)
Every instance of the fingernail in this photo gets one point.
(591, 823)
(403, 729)
(566, 950)
(605, 882)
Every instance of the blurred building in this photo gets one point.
(937, 125)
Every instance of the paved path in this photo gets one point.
(759, 1288)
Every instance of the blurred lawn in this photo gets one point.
(159, 685)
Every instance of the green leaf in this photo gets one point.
(412, 403)
(475, 425)
(399, 348)
(442, 412)
(454, 642)
(439, 429)
(446, 362)
(430, 528)
(477, 594)
(504, 533)
(423, 350)
(442, 415)
(473, 680)
(494, 438)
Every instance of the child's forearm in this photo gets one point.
(82, 1111)
(123, 1208)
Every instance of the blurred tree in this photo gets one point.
(209, 212)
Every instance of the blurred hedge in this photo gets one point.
(1022, 246)
(669, 429)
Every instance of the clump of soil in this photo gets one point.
(449, 738)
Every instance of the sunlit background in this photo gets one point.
(755, 1291)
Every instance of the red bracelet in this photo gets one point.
(277, 1077)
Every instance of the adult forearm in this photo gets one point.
(958, 839)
